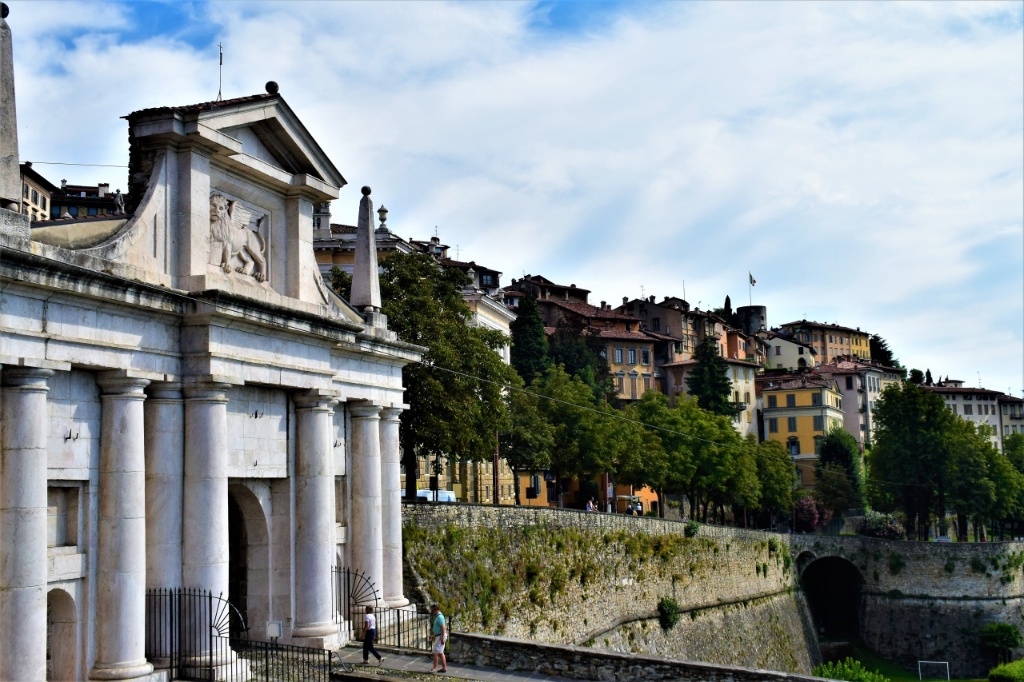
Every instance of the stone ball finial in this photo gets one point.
(272, 87)
(4, 10)
(366, 190)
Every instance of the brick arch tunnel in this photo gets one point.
(833, 587)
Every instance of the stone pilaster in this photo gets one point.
(121, 551)
(314, 519)
(205, 496)
(391, 506)
(165, 470)
(23, 523)
(366, 536)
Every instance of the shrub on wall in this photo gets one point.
(850, 670)
(1008, 672)
(691, 529)
(876, 525)
(668, 613)
(1001, 639)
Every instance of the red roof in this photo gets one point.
(590, 311)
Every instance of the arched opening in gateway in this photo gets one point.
(61, 636)
(833, 589)
(238, 566)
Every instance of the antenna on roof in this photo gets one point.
(220, 72)
(435, 230)
(643, 294)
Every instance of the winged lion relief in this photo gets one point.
(229, 225)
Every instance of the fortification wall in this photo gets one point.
(577, 578)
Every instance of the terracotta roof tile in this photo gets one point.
(205, 106)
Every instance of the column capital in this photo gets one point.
(26, 378)
(315, 399)
(117, 382)
(206, 391)
(391, 414)
(364, 410)
(164, 390)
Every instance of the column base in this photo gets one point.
(396, 602)
(122, 671)
(317, 637)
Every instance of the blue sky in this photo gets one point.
(862, 159)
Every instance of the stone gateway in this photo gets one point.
(185, 404)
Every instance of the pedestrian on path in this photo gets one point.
(369, 636)
(440, 638)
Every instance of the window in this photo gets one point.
(1004, 409)
(815, 399)
(487, 279)
(778, 350)
(953, 407)
(632, 356)
(618, 356)
(24, 191)
(647, 382)
(819, 423)
(967, 397)
(632, 387)
(35, 197)
(736, 396)
(645, 356)
(620, 383)
(849, 383)
(793, 444)
(1006, 430)
(790, 400)
(773, 425)
(791, 424)
(800, 350)
(968, 409)
(746, 397)
(656, 323)
(773, 401)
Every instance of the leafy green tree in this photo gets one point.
(579, 350)
(1013, 448)
(910, 453)
(777, 477)
(527, 442)
(840, 448)
(456, 404)
(880, 352)
(661, 463)
(1001, 639)
(916, 377)
(835, 490)
(529, 343)
(341, 282)
(708, 381)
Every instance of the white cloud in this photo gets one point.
(864, 160)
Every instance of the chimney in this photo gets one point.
(104, 189)
(604, 305)
(625, 300)
(63, 184)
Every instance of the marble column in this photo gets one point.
(165, 470)
(121, 551)
(314, 518)
(23, 478)
(366, 536)
(204, 555)
(391, 506)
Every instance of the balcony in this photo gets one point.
(863, 408)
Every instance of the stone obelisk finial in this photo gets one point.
(10, 171)
(365, 281)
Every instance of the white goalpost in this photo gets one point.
(933, 670)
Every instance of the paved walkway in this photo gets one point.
(409, 662)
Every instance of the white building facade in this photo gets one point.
(185, 404)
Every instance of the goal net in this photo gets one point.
(933, 670)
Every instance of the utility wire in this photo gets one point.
(66, 163)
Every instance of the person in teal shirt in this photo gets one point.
(440, 638)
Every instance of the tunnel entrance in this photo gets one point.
(833, 587)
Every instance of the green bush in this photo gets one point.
(1001, 638)
(1008, 672)
(850, 670)
(668, 613)
(691, 529)
(876, 525)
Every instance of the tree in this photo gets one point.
(527, 442)
(529, 343)
(455, 395)
(835, 490)
(708, 380)
(775, 472)
(881, 353)
(840, 449)
(1013, 448)
(341, 282)
(916, 377)
(910, 453)
(578, 349)
(1001, 639)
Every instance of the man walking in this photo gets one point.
(440, 638)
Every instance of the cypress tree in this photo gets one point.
(529, 344)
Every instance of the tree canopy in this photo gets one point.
(880, 352)
(456, 406)
(708, 381)
(529, 343)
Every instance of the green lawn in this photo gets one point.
(871, 661)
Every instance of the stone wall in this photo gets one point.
(581, 663)
(571, 577)
(921, 601)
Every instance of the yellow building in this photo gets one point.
(829, 341)
(35, 193)
(798, 410)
